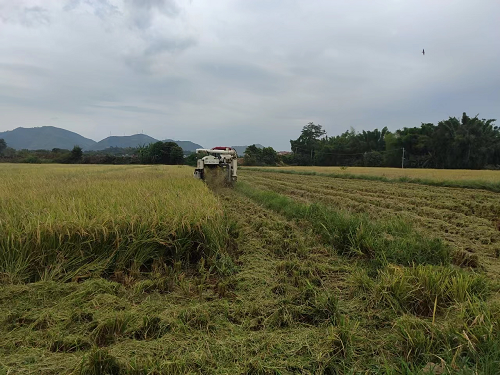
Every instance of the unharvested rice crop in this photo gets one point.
(68, 221)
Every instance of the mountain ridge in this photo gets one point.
(123, 141)
(45, 138)
(50, 137)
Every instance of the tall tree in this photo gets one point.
(466, 143)
(76, 154)
(269, 156)
(3, 146)
(161, 153)
(305, 146)
(253, 155)
(176, 153)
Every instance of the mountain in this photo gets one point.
(187, 146)
(45, 138)
(124, 141)
(139, 140)
(49, 137)
(241, 149)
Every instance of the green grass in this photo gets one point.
(427, 290)
(464, 184)
(464, 347)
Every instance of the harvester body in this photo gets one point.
(218, 158)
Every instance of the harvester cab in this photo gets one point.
(220, 160)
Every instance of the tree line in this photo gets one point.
(154, 153)
(466, 143)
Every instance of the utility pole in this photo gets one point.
(312, 157)
(403, 159)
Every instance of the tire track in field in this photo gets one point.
(263, 270)
(268, 240)
(262, 267)
(264, 229)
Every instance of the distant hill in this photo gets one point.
(49, 137)
(45, 138)
(124, 141)
(241, 149)
(187, 146)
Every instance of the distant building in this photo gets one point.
(284, 152)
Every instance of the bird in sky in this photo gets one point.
(423, 52)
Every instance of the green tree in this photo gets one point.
(260, 156)
(269, 156)
(10, 153)
(76, 154)
(156, 153)
(373, 159)
(176, 154)
(468, 143)
(143, 154)
(58, 150)
(253, 155)
(393, 154)
(161, 153)
(3, 146)
(193, 157)
(306, 145)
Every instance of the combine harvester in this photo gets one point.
(219, 166)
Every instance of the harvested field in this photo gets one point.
(469, 179)
(283, 274)
(395, 173)
(467, 219)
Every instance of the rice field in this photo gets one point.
(396, 173)
(468, 219)
(62, 222)
(145, 270)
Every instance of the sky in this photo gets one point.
(238, 72)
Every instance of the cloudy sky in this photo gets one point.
(236, 72)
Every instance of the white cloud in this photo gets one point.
(242, 72)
